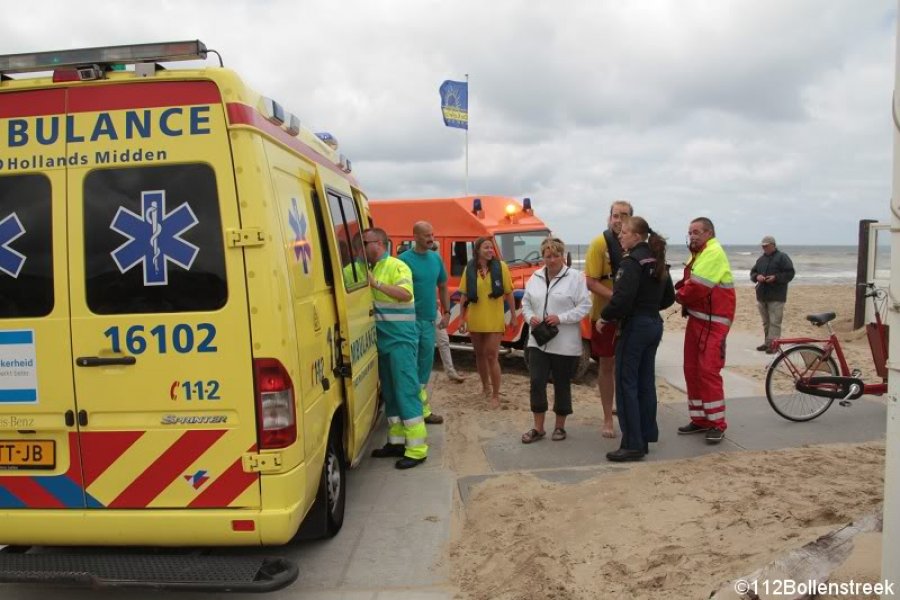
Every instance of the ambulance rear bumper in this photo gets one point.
(93, 569)
(160, 527)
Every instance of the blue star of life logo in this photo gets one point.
(298, 223)
(154, 238)
(11, 229)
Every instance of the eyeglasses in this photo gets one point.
(367, 242)
(696, 231)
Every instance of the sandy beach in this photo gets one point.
(676, 529)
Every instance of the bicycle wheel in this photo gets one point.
(781, 389)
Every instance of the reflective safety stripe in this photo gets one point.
(413, 422)
(415, 442)
(713, 318)
(392, 420)
(696, 413)
(392, 318)
(395, 307)
(702, 281)
(396, 439)
(709, 283)
(716, 404)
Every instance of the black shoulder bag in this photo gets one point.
(544, 332)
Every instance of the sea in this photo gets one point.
(814, 265)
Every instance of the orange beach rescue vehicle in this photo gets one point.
(516, 232)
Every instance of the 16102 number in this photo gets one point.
(182, 338)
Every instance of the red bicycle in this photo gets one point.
(804, 379)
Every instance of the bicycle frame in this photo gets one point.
(828, 346)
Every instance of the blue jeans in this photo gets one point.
(636, 380)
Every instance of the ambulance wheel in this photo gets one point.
(584, 362)
(333, 487)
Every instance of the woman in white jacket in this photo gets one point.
(556, 295)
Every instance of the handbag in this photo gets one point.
(544, 332)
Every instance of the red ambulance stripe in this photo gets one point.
(228, 486)
(28, 491)
(103, 448)
(34, 103)
(169, 465)
(74, 472)
(241, 114)
(142, 95)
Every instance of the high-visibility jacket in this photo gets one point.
(395, 321)
(706, 290)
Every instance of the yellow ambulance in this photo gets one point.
(187, 343)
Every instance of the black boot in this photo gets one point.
(389, 451)
(624, 454)
(408, 463)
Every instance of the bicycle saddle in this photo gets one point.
(820, 318)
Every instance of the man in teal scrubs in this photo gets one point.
(429, 277)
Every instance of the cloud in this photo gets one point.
(767, 116)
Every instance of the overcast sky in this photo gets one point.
(769, 117)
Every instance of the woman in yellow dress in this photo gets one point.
(487, 288)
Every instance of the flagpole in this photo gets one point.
(467, 139)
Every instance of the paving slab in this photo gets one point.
(396, 529)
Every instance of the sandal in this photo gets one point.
(559, 434)
(532, 435)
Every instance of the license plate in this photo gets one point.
(27, 454)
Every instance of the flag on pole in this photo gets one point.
(455, 103)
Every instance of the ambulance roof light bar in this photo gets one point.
(130, 54)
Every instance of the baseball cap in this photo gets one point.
(768, 240)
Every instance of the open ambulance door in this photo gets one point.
(358, 364)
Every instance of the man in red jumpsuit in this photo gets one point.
(706, 295)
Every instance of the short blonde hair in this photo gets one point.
(554, 244)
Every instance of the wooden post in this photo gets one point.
(862, 267)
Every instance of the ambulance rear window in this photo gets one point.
(153, 240)
(26, 246)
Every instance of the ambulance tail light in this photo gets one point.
(276, 418)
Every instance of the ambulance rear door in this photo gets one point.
(39, 456)
(160, 330)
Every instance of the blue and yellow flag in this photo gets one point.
(455, 103)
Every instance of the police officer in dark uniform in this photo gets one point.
(643, 287)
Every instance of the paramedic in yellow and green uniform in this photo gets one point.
(395, 325)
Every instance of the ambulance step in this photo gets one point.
(192, 572)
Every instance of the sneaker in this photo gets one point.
(762, 347)
(434, 419)
(714, 436)
(455, 377)
(691, 428)
(770, 350)
(389, 451)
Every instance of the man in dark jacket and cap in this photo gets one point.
(771, 274)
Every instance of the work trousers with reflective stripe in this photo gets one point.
(400, 390)
(636, 380)
(704, 357)
(425, 353)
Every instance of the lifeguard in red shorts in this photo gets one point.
(600, 265)
(706, 294)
